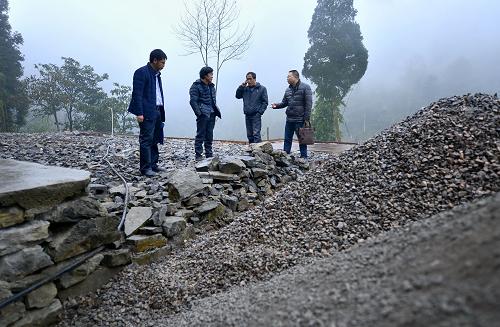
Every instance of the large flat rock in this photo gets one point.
(31, 185)
(136, 217)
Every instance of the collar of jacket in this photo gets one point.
(199, 81)
(296, 86)
(152, 70)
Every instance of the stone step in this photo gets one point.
(142, 243)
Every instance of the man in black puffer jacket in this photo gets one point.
(298, 99)
(204, 104)
(254, 104)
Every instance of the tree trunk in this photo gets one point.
(70, 119)
(3, 118)
(336, 121)
(56, 121)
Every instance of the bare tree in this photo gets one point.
(210, 28)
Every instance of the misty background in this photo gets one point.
(419, 51)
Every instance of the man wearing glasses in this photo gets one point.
(255, 102)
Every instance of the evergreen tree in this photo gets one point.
(336, 60)
(13, 99)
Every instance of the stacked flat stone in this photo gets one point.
(46, 222)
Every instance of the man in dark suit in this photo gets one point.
(148, 106)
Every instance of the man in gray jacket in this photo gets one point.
(255, 102)
(298, 99)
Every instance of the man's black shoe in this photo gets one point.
(158, 169)
(149, 173)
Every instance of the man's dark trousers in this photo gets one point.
(290, 128)
(204, 134)
(253, 123)
(149, 137)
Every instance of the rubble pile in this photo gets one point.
(446, 154)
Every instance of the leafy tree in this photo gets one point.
(80, 87)
(119, 101)
(45, 92)
(209, 27)
(336, 60)
(70, 87)
(94, 114)
(13, 99)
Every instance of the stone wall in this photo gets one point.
(170, 209)
(47, 223)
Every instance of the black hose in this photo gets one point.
(77, 263)
(125, 204)
(49, 278)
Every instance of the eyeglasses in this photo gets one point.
(249, 78)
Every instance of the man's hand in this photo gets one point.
(244, 84)
(140, 118)
(273, 105)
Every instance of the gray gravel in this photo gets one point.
(445, 155)
(442, 271)
(85, 150)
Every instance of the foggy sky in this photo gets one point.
(453, 41)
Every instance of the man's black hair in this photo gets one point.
(254, 76)
(205, 71)
(295, 73)
(157, 54)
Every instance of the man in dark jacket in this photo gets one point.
(255, 103)
(203, 102)
(298, 99)
(148, 106)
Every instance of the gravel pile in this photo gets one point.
(446, 154)
(442, 271)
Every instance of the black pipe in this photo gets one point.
(77, 263)
(49, 278)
